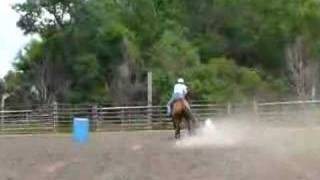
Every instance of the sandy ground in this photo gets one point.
(234, 152)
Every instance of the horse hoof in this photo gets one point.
(177, 136)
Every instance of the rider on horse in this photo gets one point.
(179, 92)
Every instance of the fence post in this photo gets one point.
(94, 113)
(255, 109)
(28, 119)
(3, 99)
(122, 119)
(55, 116)
(149, 111)
(229, 106)
(2, 118)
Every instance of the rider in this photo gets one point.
(179, 91)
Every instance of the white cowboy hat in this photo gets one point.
(180, 80)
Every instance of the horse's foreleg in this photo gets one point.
(177, 133)
(175, 127)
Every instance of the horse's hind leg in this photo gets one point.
(187, 120)
(177, 129)
(190, 122)
(177, 133)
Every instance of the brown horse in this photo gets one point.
(180, 111)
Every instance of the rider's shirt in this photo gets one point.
(180, 89)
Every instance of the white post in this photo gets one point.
(229, 108)
(2, 112)
(149, 88)
(256, 109)
(150, 98)
(94, 117)
(55, 116)
(3, 99)
(122, 119)
(313, 92)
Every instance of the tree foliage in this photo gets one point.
(100, 50)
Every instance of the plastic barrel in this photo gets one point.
(80, 130)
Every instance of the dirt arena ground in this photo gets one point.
(234, 152)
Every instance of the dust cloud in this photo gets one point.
(213, 133)
(278, 140)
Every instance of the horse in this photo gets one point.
(180, 111)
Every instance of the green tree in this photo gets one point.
(100, 50)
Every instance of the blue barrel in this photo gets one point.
(81, 130)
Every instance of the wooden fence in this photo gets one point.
(58, 117)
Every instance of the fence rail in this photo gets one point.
(58, 117)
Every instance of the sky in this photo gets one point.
(11, 37)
